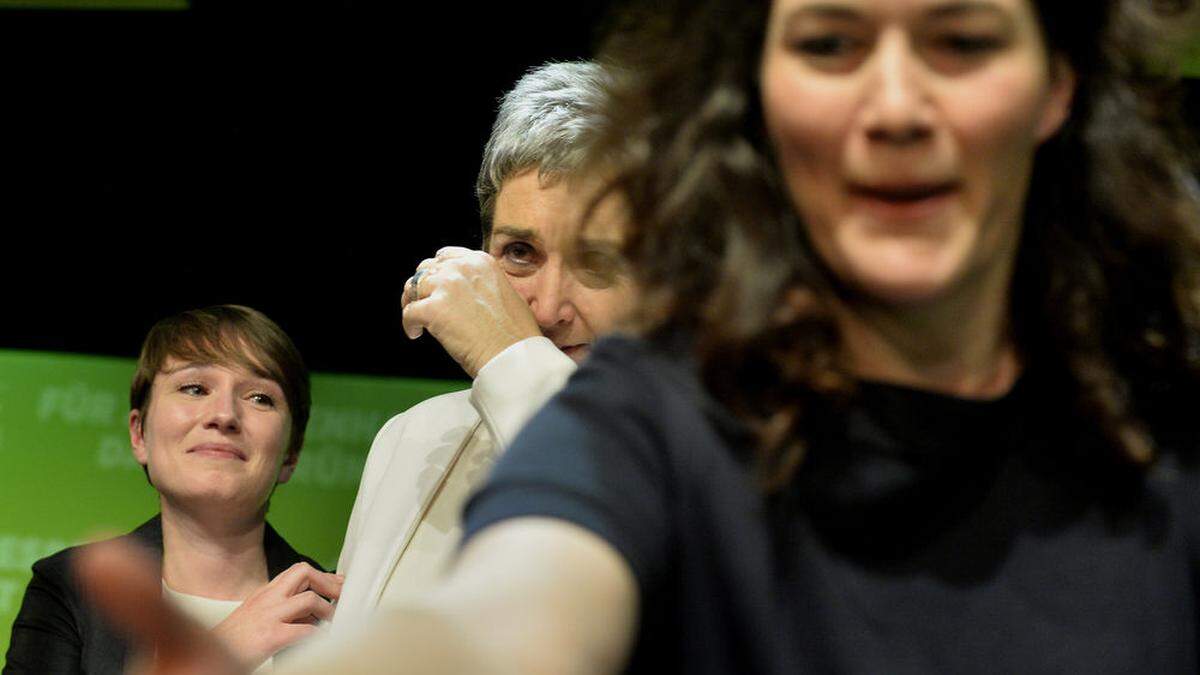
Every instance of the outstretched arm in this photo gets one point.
(528, 595)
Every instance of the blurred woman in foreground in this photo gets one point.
(916, 352)
(219, 404)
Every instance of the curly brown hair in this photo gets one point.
(1107, 281)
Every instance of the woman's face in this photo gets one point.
(905, 131)
(214, 435)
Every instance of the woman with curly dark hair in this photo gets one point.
(917, 344)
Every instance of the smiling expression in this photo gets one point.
(576, 288)
(905, 131)
(213, 434)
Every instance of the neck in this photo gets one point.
(959, 345)
(213, 557)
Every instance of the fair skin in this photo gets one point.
(906, 132)
(911, 160)
(533, 279)
(214, 439)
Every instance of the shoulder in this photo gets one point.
(55, 629)
(423, 427)
(56, 569)
(58, 566)
(433, 415)
(407, 441)
(54, 588)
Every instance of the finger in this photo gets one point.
(411, 291)
(416, 286)
(303, 606)
(327, 584)
(301, 576)
(304, 577)
(291, 581)
(415, 316)
(406, 293)
(451, 252)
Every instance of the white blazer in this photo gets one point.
(412, 454)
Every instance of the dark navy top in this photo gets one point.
(923, 533)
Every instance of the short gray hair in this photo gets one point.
(541, 123)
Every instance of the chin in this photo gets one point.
(903, 274)
(900, 289)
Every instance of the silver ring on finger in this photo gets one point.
(413, 293)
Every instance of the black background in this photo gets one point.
(298, 157)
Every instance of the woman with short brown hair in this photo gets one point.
(219, 403)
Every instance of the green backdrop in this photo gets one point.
(67, 475)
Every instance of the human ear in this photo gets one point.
(1057, 107)
(137, 437)
(288, 467)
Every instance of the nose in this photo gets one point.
(550, 297)
(898, 110)
(223, 413)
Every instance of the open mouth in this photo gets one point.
(915, 201)
(902, 194)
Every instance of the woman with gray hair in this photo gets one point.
(517, 315)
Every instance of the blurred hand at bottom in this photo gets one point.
(125, 585)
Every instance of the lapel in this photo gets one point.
(414, 515)
(280, 554)
(419, 460)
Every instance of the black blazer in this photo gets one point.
(57, 632)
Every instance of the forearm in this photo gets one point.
(527, 597)
(409, 640)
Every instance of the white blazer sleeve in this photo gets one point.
(511, 387)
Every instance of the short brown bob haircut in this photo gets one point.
(229, 335)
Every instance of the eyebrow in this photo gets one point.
(833, 10)
(182, 367)
(516, 232)
(964, 7)
(825, 11)
(194, 365)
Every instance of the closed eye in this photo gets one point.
(825, 45)
(969, 45)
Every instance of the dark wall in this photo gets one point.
(297, 157)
